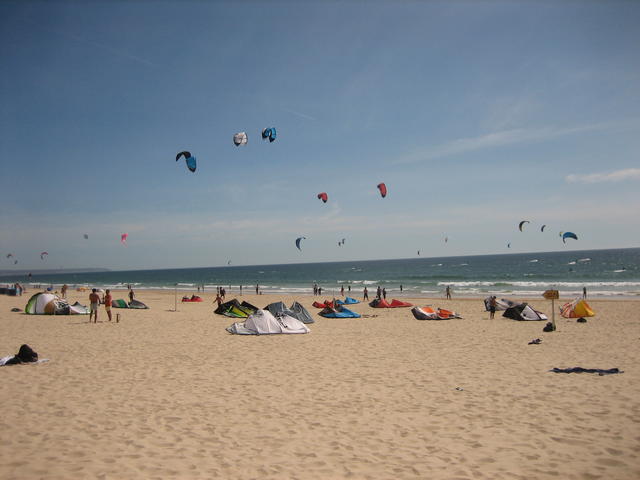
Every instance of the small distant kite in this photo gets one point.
(542, 228)
(446, 239)
(298, 241)
(269, 133)
(190, 159)
(229, 262)
(42, 254)
(240, 138)
(323, 196)
(521, 224)
(418, 252)
(566, 235)
(15, 262)
(383, 189)
(508, 245)
(341, 242)
(86, 237)
(123, 238)
(9, 255)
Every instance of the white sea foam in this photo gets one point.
(535, 260)
(584, 259)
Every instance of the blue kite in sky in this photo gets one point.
(191, 160)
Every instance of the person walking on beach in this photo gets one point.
(492, 307)
(94, 301)
(107, 302)
(223, 292)
(448, 292)
(365, 295)
(584, 292)
(218, 299)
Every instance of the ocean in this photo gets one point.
(605, 273)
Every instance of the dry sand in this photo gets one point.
(167, 394)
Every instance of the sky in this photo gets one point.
(476, 115)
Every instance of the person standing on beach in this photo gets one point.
(131, 295)
(365, 295)
(384, 293)
(379, 293)
(349, 288)
(492, 307)
(342, 290)
(107, 302)
(448, 292)
(240, 290)
(94, 302)
(400, 288)
(218, 299)
(320, 291)
(584, 292)
(63, 291)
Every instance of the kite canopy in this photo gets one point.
(542, 228)
(50, 304)
(576, 309)
(42, 254)
(323, 196)
(521, 224)
(123, 238)
(383, 189)
(262, 322)
(298, 240)
(566, 235)
(86, 237)
(191, 160)
(269, 133)
(240, 138)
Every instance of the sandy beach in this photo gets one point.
(170, 394)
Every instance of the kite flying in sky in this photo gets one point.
(566, 235)
(269, 133)
(191, 160)
(123, 238)
(42, 254)
(522, 224)
(298, 240)
(240, 138)
(383, 189)
(323, 196)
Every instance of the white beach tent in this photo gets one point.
(262, 322)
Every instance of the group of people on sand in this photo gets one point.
(106, 300)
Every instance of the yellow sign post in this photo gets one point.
(552, 295)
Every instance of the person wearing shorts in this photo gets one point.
(492, 307)
(94, 300)
(107, 302)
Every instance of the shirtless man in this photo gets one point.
(107, 302)
(94, 300)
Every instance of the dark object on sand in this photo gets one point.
(15, 309)
(549, 327)
(581, 320)
(537, 341)
(599, 371)
(24, 355)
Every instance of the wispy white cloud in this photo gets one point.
(616, 176)
(299, 114)
(503, 138)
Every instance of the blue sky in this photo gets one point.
(475, 114)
